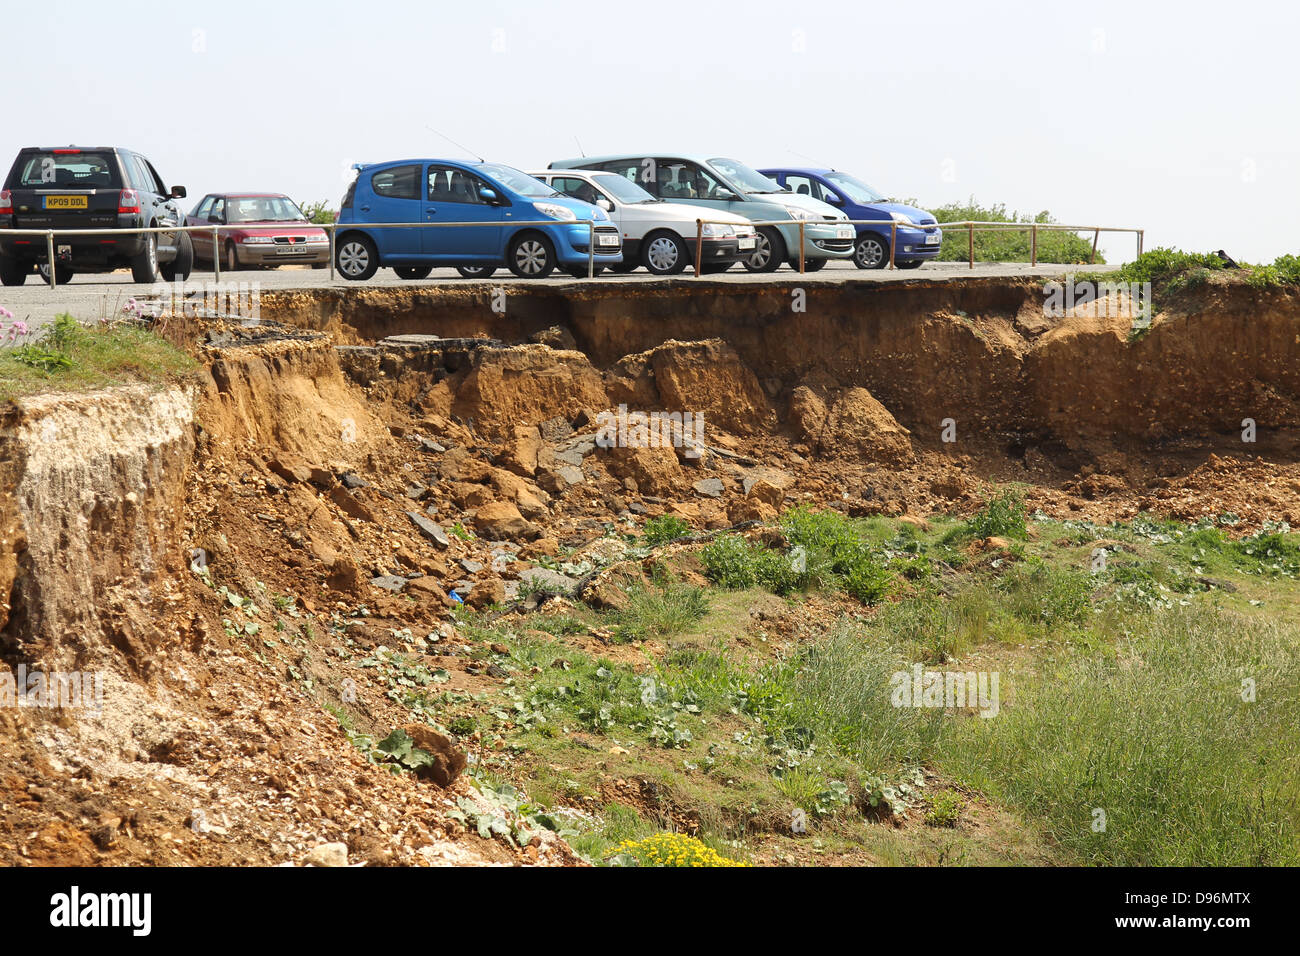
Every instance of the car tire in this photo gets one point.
(183, 264)
(413, 272)
(62, 274)
(871, 252)
(664, 253)
(769, 251)
(912, 264)
(580, 272)
(626, 266)
(809, 265)
(356, 258)
(531, 256)
(230, 258)
(477, 272)
(13, 272)
(144, 267)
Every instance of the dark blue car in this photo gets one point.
(860, 201)
(442, 190)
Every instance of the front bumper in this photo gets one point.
(571, 244)
(821, 239)
(270, 254)
(910, 241)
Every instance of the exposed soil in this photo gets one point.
(347, 486)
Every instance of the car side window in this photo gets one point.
(629, 169)
(683, 180)
(449, 184)
(802, 185)
(132, 170)
(204, 208)
(158, 185)
(577, 188)
(218, 209)
(401, 182)
(823, 192)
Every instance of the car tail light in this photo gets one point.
(67, 152)
(128, 201)
(6, 202)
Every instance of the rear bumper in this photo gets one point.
(77, 251)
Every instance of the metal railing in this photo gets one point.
(970, 226)
(332, 228)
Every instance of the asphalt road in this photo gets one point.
(92, 297)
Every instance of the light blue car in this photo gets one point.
(443, 190)
(730, 185)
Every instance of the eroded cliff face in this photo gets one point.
(91, 520)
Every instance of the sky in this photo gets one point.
(1179, 118)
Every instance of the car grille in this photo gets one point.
(290, 240)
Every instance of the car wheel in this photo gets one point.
(13, 272)
(531, 256)
(769, 251)
(912, 264)
(356, 258)
(871, 252)
(231, 257)
(183, 264)
(664, 254)
(413, 272)
(62, 274)
(809, 265)
(476, 272)
(144, 267)
(580, 272)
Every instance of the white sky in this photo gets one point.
(1163, 116)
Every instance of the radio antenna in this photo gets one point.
(581, 152)
(456, 144)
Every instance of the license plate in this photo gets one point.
(67, 202)
(845, 232)
(933, 240)
(607, 240)
(291, 250)
(747, 243)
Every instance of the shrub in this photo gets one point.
(668, 849)
(730, 562)
(663, 529)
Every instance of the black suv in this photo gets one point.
(103, 188)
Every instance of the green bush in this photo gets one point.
(663, 529)
(1008, 246)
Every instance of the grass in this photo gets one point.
(68, 356)
(1120, 699)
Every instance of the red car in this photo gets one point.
(257, 229)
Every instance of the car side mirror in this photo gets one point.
(726, 195)
(488, 195)
(605, 204)
(178, 192)
(834, 200)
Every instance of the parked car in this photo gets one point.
(727, 185)
(265, 229)
(657, 234)
(442, 190)
(107, 187)
(857, 199)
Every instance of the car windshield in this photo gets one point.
(262, 209)
(750, 180)
(517, 180)
(852, 187)
(67, 169)
(622, 188)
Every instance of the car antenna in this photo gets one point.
(456, 144)
(811, 160)
(581, 151)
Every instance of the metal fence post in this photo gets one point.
(1140, 237)
(699, 247)
(801, 242)
(333, 230)
(1096, 233)
(970, 242)
(216, 256)
(49, 254)
(893, 240)
(1033, 245)
(591, 249)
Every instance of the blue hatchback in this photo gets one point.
(440, 190)
(860, 201)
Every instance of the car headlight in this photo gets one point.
(555, 212)
(902, 217)
(256, 240)
(715, 230)
(797, 213)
